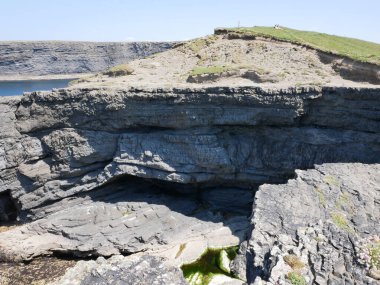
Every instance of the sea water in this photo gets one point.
(18, 87)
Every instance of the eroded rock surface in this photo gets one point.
(120, 270)
(319, 217)
(15, 148)
(127, 217)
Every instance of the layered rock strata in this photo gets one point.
(213, 136)
(50, 58)
(106, 171)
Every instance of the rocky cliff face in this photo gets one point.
(48, 58)
(99, 171)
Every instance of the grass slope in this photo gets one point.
(353, 48)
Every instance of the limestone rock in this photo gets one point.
(99, 172)
(239, 264)
(237, 136)
(123, 270)
(313, 217)
(124, 217)
(107, 109)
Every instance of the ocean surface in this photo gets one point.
(11, 88)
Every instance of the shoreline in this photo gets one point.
(5, 78)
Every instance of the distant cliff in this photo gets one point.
(47, 58)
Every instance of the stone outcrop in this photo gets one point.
(319, 217)
(101, 172)
(49, 58)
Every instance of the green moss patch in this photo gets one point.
(331, 180)
(321, 197)
(119, 70)
(200, 70)
(341, 222)
(296, 279)
(207, 266)
(198, 44)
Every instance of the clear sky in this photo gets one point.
(158, 20)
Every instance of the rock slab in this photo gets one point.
(120, 270)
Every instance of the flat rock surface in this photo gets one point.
(120, 270)
(320, 216)
(129, 217)
(40, 271)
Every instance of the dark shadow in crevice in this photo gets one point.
(8, 209)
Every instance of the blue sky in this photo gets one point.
(156, 20)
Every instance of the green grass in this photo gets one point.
(296, 279)
(353, 48)
(197, 45)
(199, 70)
(321, 197)
(374, 252)
(203, 270)
(119, 70)
(345, 203)
(331, 180)
(341, 222)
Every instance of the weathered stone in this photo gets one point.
(125, 217)
(312, 217)
(120, 270)
(239, 264)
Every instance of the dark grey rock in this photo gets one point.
(124, 217)
(239, 264)
(236, 136)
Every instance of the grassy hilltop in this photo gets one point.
(353, 48)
